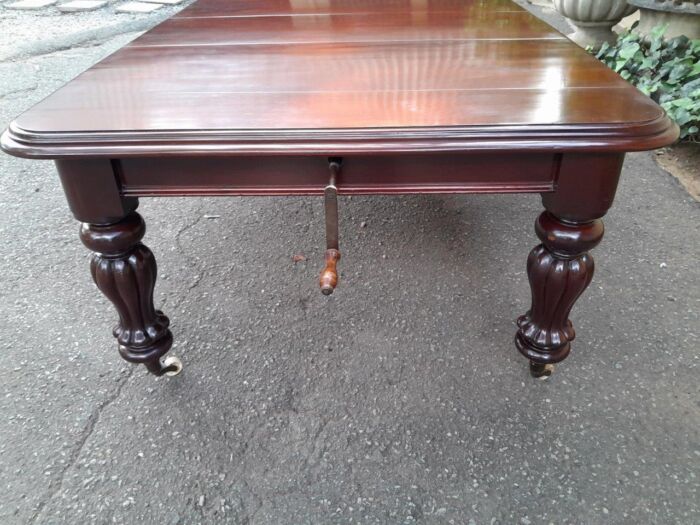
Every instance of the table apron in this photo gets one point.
(308, 175)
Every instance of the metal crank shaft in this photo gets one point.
(329, 276)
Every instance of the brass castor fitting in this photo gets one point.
(170, 366)
(541, 370)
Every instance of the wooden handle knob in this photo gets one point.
(329, 275)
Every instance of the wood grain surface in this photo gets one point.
(338, 77)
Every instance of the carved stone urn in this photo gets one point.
(594, 19)
(682, 16)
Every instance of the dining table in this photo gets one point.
(325, 98)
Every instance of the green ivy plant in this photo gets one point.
(666, 70)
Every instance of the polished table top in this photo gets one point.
(341, 76)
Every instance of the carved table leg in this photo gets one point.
(559, 271)
(125, 271)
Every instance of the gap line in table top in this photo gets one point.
(312, 42)
(421, 11)
(212, 17)
(426, 90)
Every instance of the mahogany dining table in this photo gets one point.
(343, 97)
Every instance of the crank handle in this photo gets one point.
(329, 275)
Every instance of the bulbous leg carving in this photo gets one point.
(125, 270)
(559, 270)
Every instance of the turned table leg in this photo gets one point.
(124, 270)
(559, 270)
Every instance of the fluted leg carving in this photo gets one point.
(125, 272)
(559, 270)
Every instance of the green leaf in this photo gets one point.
(685, 103)
(647, 63)
(602, 51)
(629, 50)
(658, 31)
(682, 117)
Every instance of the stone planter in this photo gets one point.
(594, 19)
(682, 16)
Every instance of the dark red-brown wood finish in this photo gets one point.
(252, 97)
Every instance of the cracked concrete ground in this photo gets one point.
(400, 399)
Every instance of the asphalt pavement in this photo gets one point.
(400, 399)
